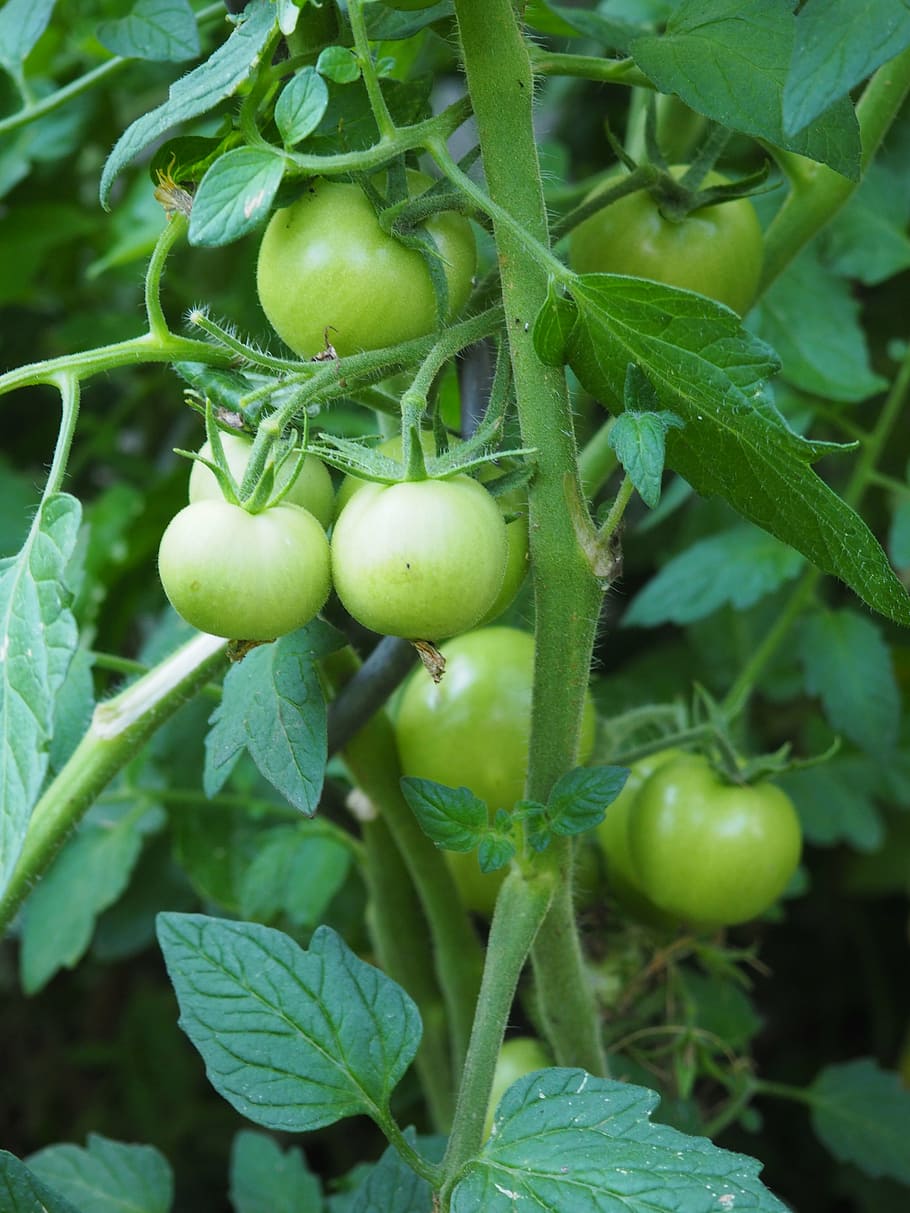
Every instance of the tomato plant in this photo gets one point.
(262, 830)
(327, 270)
(244, 576)
(423, 559)
(312, 487)
(715, 250)
(712, 853)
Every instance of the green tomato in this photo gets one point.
(716, 251)
(244, 576)
(515, 503)
(518, 1056)
(613, 836)
(477, 890)
(711, 853)
(473, 728)
(325, 263)
(422, 559)
(312, 487)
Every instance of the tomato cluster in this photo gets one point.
(422, 559)
(684, 846)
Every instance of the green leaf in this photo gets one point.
(107, 1176)
(452, 817)
(735, 444)
(495, 851)
(73, 709)
(297, 872)
(566, 22)
(835, 803)
(729, 60)
(868, 240)
(580, 797)
(640, 441)
(293, 1040)
(87, 876)
(385, 25)
(862, 1115)
(267, 1179)
(37, 640)
(849, 666)
(736, 567)
(338, 64)
(301, 105)
(563, 1139)
(717, 1005)
(234, 196)
(899, 534)
(198, 92)
(392, 1187)
(22, 22)
(21, 1192)
(839, 43)
(273, 706)
(823, 349)
(155, 29)
(552, 327)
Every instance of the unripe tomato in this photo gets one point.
(325, 263)
(244, 576)
(473, 728)
(711, 853)
(312, 488)
(716, 251)
(613, 836)
(422, 559)
(518, 1056)
(514, 503)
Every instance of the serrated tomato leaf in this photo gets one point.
(563, 1139)
(198, 92)
(709, 371)
(293, 1039)
(154, 29)
(730, 60)
(861, 1113)
(107, 1176)
(267, 1179)
(23, 1192)
(453, 818)
(234, 196)
(580, 797)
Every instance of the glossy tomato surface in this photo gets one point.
(711, 853)
(473, 728)
(326, 264)
(422, 559)
(613, 836)
(244, 576)
(716, 251)
(312, 487)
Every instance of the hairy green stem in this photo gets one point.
(403, 944)
(567, 594)
(120, 726)
(588, 67)
(362, 45)
(520, 909)
(817, 192)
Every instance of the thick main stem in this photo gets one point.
(567, 595)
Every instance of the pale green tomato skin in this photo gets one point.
(516, 502)
(473, 728)
(477, 890)
(518, 1056)
(716, 251)
(312, 489)
(613, 836)
(326, 264)
(244, 576)
(422, 559)
(710, 853)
